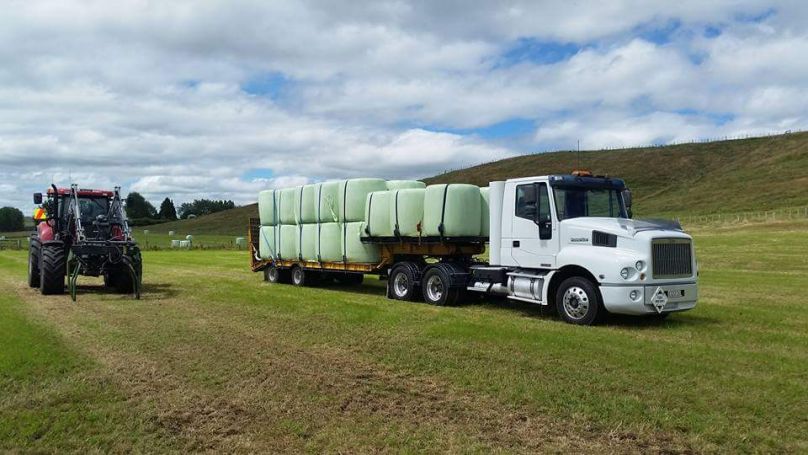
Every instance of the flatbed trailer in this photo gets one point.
(410, 253)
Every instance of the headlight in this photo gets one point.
(625, 273)
(640, 266)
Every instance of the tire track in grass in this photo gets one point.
(216, 381)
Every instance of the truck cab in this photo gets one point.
(569, 241)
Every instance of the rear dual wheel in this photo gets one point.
(273, 274)
(303, 277)
(402, 284)
(437, 287)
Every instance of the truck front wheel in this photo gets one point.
(578, 302)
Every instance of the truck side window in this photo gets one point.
(526, 201)
(544, 203)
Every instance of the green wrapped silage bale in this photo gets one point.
(354, 249)
(266, 208)
(404, 184)
(330, 242)
(287, 237)
(352, 195)
(377, 215)
(455, 207)
(407, 211)
(307, 208)
(266, 242)
(484, 212)
(328, 197)
(308, 241)
(287, 204)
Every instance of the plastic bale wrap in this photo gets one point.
(355, 250)
(456, 207)
(287, 237)
(266, 242)
(307, 208)
(266, 208)
(328, 197)
(484, 212)
(377, 215)
(352, 196)
(404, 184)
(330, 242)
(407, 211)
(288, 205)
(308, 242)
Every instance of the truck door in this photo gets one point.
(531, 209)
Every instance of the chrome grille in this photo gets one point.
(672, 258)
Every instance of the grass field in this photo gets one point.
(215, 359)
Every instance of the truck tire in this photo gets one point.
(402, 284)
(578, 302)
(303, 277)
(33, 263)
(273, 274)
(437, 287)
(52, 269)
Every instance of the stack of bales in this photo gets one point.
(268, 213)
(452, 210)
(325, 222)
(352, 195)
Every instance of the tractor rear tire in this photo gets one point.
(52, 269)
(33, 264)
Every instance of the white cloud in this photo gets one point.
(149, 94)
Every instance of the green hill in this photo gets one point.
(688, 179)
(229, 222)
(699, 178)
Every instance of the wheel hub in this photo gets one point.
(576, 302)
(434, 288)
(401, 284)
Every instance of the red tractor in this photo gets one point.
(82, 232)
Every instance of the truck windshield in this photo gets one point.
(575, 202)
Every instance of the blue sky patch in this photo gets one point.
(270, 85)
(539, 52)
(659, 33)
(257, 173)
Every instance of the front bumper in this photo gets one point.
(680, 297)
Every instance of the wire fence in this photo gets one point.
(765, 216)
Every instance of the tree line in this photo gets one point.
(141, 212)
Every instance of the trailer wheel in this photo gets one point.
(402, 283)
(52, 269)
(437, 289)
(578, 302)
(33, 264)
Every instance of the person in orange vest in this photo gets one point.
(39, 215)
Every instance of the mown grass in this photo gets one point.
(53, 398)
(231, 363)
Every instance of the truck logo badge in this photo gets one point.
(660, 299)
(579, 240)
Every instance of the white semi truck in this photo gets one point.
(565, 241)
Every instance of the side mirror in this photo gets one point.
(627, 201)
(37, 198)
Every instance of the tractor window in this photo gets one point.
(91, 208)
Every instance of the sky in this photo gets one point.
(221, 99)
